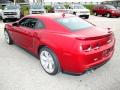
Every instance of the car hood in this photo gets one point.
(92, 33)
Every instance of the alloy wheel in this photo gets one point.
(7, 38)
(47, 61)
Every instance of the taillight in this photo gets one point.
(90, 47)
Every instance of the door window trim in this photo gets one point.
(37, 20)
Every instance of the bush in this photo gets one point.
(90, 7)
(67, 6)
(25, 10)
(48, 8)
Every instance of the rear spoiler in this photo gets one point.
(93, 38)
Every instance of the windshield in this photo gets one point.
(79, 7)
(59, 7)
(74, 23)
(12, 6)
(36, 6)
(110, 7)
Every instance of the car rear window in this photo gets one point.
(110, 7)
(74, 23)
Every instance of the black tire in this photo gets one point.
(10, 42)
(74, 13)
(4, 20)
(86, 17)
(55, 60)
(0, 17)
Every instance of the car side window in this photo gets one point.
(28, 22)
(39, 25)
(24, 22)
(105, 7)
(101, 7)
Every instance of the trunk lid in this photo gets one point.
(92, 33)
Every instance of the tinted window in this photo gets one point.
(28, 22)
(110, 7)
(74, 23)
(101, 7)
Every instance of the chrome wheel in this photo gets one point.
(47, 61)
(95, 13)
(108, 15)
(7, 38)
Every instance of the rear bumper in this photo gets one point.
(99, 62)
(82, 62)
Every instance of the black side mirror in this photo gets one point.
(15, 24)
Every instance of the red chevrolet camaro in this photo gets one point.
(62, 42)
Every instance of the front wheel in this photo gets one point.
(86, 17)
(7, 37)
(49, 61)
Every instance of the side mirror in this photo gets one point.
(15, 24)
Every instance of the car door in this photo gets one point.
(101, 10)
(24, 33)
(27, 32)
(104, 10)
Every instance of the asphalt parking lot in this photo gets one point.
(19, 70)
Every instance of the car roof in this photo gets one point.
(52, 15)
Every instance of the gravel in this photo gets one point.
(19, 70)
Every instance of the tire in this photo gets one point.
(86, 17)
(49, 61)
(4, 20)
(108, 15)
(0, 17)
(74, 13)
(7, 37)
(103, 15)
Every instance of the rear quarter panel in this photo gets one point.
(61, 44)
